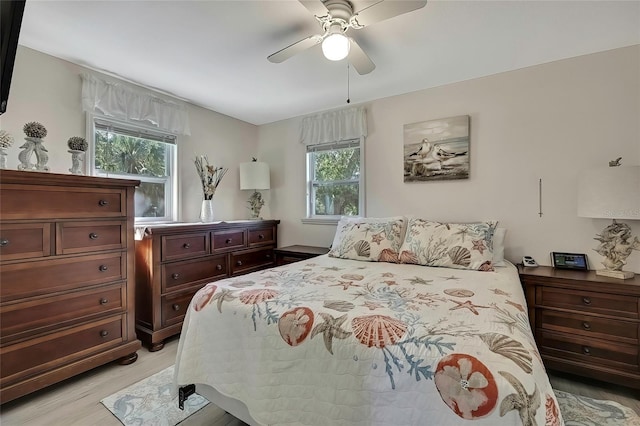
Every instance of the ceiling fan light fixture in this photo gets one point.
(336, 46)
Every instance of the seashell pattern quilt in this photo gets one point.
(332, 341)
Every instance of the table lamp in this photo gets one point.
(255, 175)
(612, 192)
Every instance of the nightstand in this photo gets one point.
(585, 324)
(292, 254)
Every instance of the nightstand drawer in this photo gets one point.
(587, 350)
(83, 237)
(175, 275)
(176, 247)
(25, 240)
(588, 301)
(590, 326)
(248, 260)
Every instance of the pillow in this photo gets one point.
(498, 246)
(369, 239)
(451, 245)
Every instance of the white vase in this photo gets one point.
(206, 212)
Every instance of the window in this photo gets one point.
(128, 152)
(335, 181)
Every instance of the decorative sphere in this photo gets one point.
(6, 140)
(34, 129)
(77, 143)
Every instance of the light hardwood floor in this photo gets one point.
(77, 401)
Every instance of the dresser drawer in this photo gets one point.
(47, 276)
(183, 246)
(588, 350)
(228, 240)
(589, 302)
(24, 240)
(248, 260)
(83, 237)
(56, 310)
(261, 236)
(189, 272)
(174, 307)
(47, 352)
(60, 202)
(589, 326)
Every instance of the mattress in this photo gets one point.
(342, 342)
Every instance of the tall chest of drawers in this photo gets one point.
(66, 277)
(586, 324)
(174, 261)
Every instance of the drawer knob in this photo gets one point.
(93, 236)
(586, 300)
(219, 267)
(103, 268)
(186, 245)
(268, 255)
(175, 307)
(104, 333)
(175, 276)
(104, 301)
(103, 203)
(261, 237)
(586, 350)
(586, 325)
(228, 241)
(4, 242)
(239, 263)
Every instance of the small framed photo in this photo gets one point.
(575, 261)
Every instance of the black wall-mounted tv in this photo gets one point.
(11, 12)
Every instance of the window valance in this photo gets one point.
(332, 126)
(124, 102)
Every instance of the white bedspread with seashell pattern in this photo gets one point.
(342, 342)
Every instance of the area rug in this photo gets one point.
(150, 402)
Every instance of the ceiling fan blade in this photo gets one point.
(295, 48)
(384, 10)
(316, 7)
(360, 61)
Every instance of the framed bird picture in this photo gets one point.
(437, 149)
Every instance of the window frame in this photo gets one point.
(311, 218)
(171, 181)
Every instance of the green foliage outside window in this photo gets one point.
(336, 182)
(125, 155)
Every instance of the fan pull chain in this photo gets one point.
(348, 95)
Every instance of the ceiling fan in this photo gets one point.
(338, 16)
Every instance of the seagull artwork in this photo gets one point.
(434, 155)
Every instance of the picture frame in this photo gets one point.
(573, 261)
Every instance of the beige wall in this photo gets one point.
(47, 89)
(545, 122)
(549, 121)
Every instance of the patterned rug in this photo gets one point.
(149, 402)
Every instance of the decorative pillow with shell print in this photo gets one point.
(369, 239)
(451, 245)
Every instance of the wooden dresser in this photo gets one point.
(586, 324)
(67, 289)
(291, 254)
(174, 261)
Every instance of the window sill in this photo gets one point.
(320, 221)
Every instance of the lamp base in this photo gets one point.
(623, 275)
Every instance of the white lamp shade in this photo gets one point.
(611, 192)
(335, 47)
(254, 175)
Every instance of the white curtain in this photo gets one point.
(333, 126)
(124, 102)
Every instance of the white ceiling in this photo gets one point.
(214, 53)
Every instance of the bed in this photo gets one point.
(348, 339)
